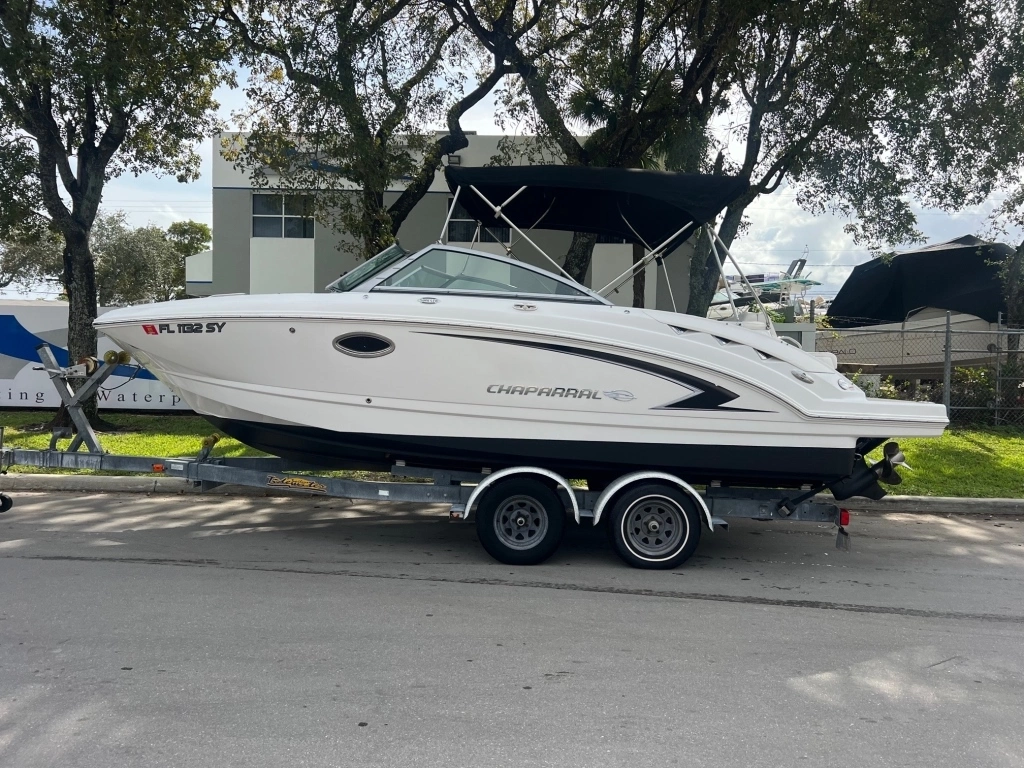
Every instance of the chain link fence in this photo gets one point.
(974, 368)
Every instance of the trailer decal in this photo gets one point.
(296, 483)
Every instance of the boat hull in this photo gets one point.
(915, 349)
(473, 383)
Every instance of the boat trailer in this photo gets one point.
(654, 517)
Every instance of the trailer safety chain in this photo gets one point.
(129, 380)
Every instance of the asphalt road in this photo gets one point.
(176, 631)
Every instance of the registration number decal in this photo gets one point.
(158, 328)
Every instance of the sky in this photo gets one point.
(780, 230)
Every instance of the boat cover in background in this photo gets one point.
(961, 275)
(644, 207)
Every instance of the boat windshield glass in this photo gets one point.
(442, 270)
(368, 269)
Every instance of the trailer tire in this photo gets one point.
(520, 521)
(6, 502)
(654, 526)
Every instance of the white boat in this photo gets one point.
(453, 358)
(915, 348)
(779, 289)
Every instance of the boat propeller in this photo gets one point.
(892, 457)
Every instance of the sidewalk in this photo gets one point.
(133, 484)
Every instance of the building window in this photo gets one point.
(282, 216)
(462, 228)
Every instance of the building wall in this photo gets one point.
(199, 274)
(335, 255)
(232, 228)
(277, 269)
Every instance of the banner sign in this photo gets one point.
(24, 325)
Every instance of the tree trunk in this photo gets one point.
(577, 258)
(704, 279)
(700, 264)
(377, 235)
(79, 280)
(639, 278)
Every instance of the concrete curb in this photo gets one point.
(120, 484)
(937, 505)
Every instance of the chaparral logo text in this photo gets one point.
(510, 389)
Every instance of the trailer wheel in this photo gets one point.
(6, 502)
(654, 526)
(520, 521)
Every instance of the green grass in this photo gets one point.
(982, 463)
(985, 463)
(137, 434)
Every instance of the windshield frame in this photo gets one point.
(368, 269)
(373, 283)
(488, 294)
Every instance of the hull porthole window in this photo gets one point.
(364, 345)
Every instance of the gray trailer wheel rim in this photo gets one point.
(655, 528)
(521, 522)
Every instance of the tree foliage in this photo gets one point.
(859, 106)
(31, 262)
(89, 90)
(344, 97)
(626, 73)
(133, 264)
(863, 107)
(189, 237)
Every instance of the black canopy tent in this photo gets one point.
(639, 206)
(961, 275)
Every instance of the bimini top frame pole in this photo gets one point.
(757, 298)
(721, 271)
(498, 212)
(642, 264)
(443, 237)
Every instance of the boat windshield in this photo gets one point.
(368, 269)
(443, 270)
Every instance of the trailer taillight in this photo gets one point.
(844, 517)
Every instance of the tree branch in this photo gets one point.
(452, 142)
(401, 97)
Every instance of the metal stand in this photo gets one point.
(73, 400)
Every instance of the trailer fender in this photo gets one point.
(501, 473)
(626, 480)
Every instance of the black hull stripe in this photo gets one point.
(790, 466)
(709, 396)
